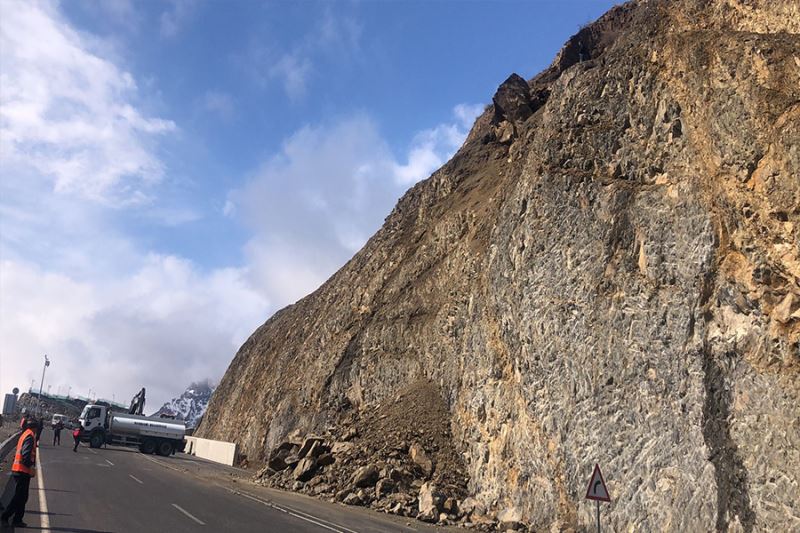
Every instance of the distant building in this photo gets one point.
(9, 404)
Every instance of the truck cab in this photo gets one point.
(93, 418)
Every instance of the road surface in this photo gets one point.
(120, 490)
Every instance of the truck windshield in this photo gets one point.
(84, 412)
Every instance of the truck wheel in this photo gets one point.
(164, 448)
(148, 446)
(96, 440)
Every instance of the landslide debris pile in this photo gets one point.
(389, 458)
(607, 271)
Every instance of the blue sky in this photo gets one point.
(173, 172)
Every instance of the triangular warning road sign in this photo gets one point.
(597, 487)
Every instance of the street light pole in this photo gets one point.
(41, 384)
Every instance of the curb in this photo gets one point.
(8, 444)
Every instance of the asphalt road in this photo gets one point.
(121, 490)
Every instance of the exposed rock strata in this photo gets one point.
(607, 271)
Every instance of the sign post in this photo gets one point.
(597, 491)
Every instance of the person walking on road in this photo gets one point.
(76, 434)
(57, 433)
(23, 469)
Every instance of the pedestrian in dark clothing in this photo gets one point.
(57, 432)
(76, 434)
(23, 469)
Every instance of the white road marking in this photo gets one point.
(136, 479)
(187, 513)
(44, 518)
(165, 465)
(91, 450)
(294, 512)
(109, 462)
(297, 514)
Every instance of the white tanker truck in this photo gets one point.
(151, 434)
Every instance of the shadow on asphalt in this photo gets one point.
(52, 490)
(48, 513)
(66, 529)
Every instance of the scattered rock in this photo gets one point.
(783, 311)
(305, 469)
(430, 500)
(510, 518)
(450, 506)
(277, 459)
(365, 476)
(352, 499)
(342, 447)
(429, 516)
(309, 444)
(325, 459)
(383, 487)
(421, 459)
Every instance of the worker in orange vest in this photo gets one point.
(23, 469)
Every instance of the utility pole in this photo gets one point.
(41, 384)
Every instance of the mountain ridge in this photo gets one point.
(190, 405)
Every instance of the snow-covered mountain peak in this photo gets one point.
(190, 405)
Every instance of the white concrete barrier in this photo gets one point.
(213, 450)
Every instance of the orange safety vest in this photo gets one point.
(18, 466)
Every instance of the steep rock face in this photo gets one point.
(607, 271)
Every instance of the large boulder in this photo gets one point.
(366, 476)
(430, 501)
(421, 459)
(305, 469)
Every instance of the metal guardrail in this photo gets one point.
(9, 444)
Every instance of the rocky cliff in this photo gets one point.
(607, 271)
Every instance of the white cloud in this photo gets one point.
(65, 111)
(338, 35)
(123, 12)
(162, 326)
(315, 204)
(431, 148)
(219, 103)
(293, 69)
(466, 114)
(76, 155)
(173, 19)
(334, 38)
